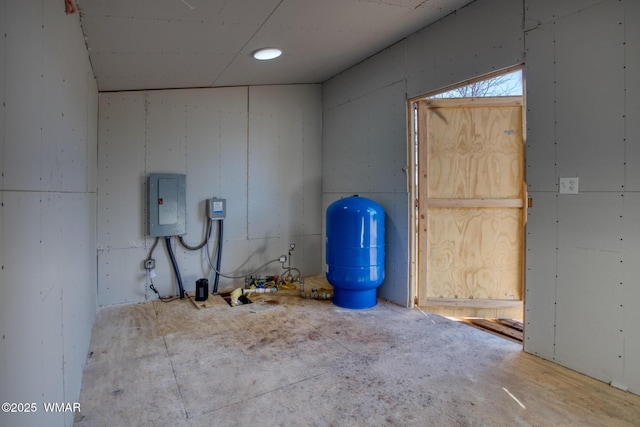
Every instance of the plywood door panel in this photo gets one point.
(471, 199)
(474, 151)
(474, 253)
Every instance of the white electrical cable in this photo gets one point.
(228, 275)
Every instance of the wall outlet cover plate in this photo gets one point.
(569, 185)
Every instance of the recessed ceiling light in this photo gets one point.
(267, 53)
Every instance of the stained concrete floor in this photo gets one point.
(288, 361)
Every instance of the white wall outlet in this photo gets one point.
(569, 185)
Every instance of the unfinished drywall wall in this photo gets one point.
(364, 153)
(583, 76)
(256, 147)
(583, 107)
(48, 142)
(365, 122)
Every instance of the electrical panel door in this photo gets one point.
(167, 205)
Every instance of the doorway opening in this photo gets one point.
(469, 202)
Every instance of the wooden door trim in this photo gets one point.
(474, 203)
(474, 303)
(500, 101)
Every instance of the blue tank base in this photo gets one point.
(359, 299)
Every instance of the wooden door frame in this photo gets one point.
(412, 157)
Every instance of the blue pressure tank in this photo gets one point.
(355, 251)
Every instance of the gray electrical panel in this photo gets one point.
(217, 208)
(167, 205)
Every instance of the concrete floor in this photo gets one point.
(288, 361)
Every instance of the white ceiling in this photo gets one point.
(160, 44)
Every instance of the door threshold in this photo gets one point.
(506, 328)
